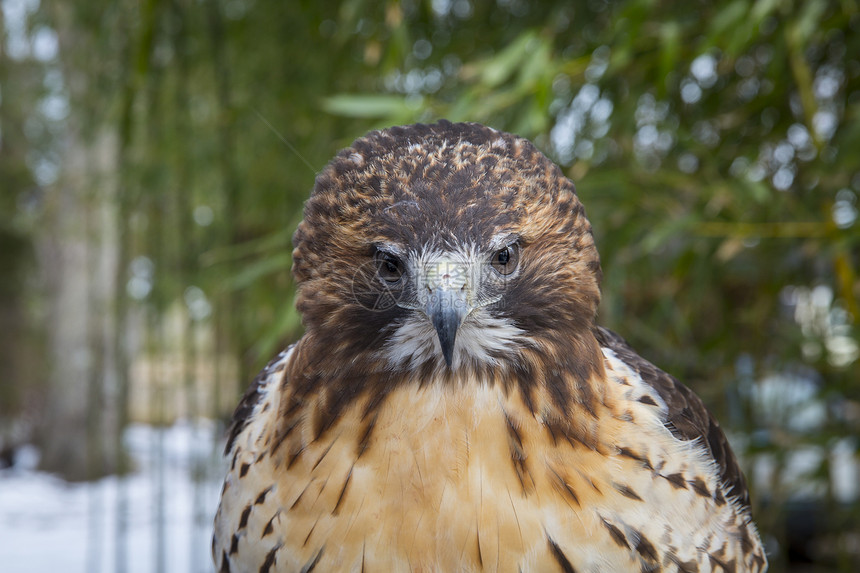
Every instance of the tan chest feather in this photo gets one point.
(466, 479)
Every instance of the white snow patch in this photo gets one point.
(158, 518)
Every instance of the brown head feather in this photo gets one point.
(440, 185)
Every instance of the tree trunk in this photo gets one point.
(78, 259)
(79, 254)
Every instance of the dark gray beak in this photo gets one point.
(446, 309)
(447, 286)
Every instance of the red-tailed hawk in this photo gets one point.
(452, 405)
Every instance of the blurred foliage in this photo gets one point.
(713, 144)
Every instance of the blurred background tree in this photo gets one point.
(155, 155)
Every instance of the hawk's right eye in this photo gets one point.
(388, 267)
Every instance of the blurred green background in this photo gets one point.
(155, 156)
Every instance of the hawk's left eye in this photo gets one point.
(505, 260)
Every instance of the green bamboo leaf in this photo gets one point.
(372, 105)
(763, 8)
(808, 21)
(661, 233)
(252, 273)
(278, 240)
(538, 63)
(729, 17)
(501, 67)
(731, 28)
(670, 36)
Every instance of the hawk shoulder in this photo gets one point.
(243, 413)
(687, 417)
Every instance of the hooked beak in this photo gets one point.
(446, 309)
(448, 302)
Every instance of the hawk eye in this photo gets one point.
(505, 260)
(388, 267)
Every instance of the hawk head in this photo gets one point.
(443, 250)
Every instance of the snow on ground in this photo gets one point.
(157, 519)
